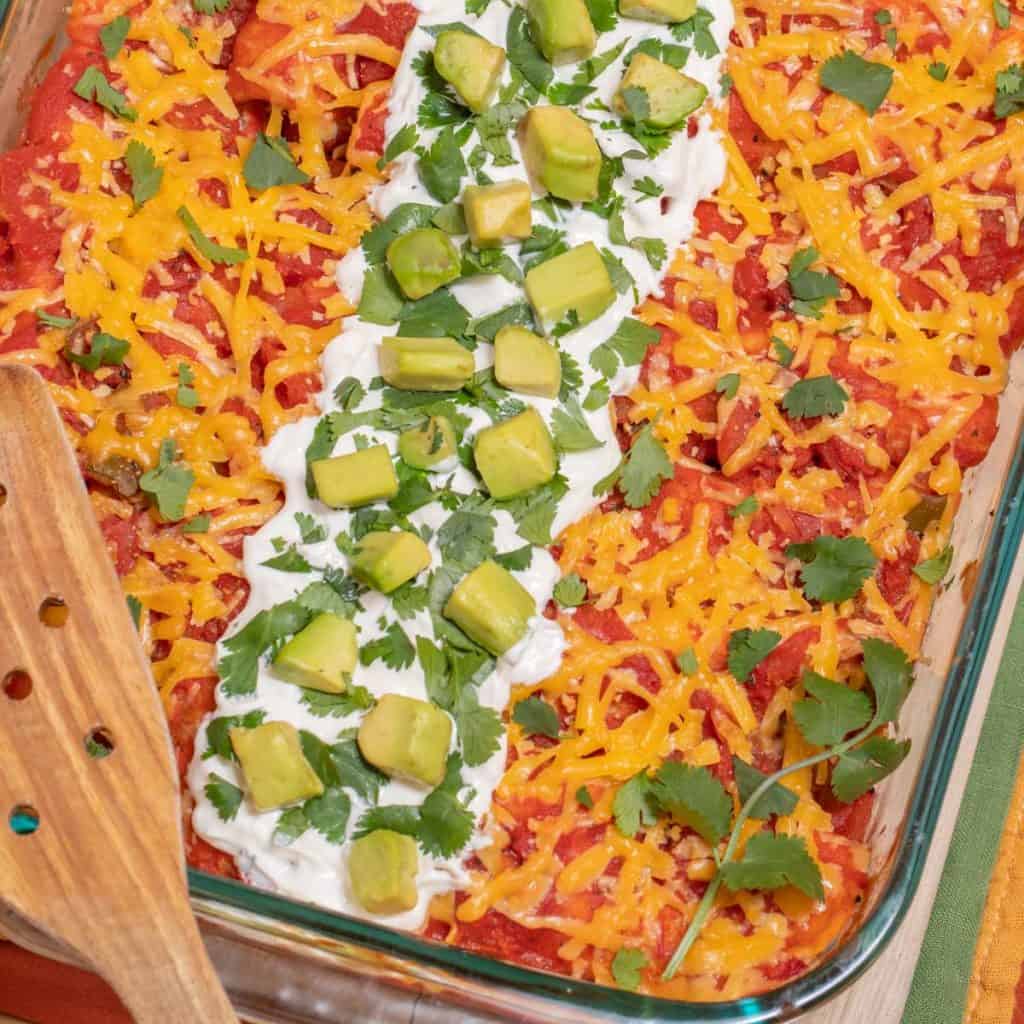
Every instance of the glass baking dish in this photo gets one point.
(286, 961)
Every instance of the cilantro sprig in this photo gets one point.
(772, 860)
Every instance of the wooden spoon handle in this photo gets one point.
(91, 853)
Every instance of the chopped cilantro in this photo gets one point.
(627, 968)
(402, 141)
(831, 711)
(748, 648)
(393, 648)
(537, 717)
(686, 661)
(329, 814)
(104, 350)
(747, 507)
(225, 796)
(933, 570)
(648, 188)
(218, 733)
(214, 252)
(634, 806)
(627, 346)
(494, 127)
(570, 429)
(834, 567)
(311, 529)
(644, 469)
(810, 288)
(135, 609)
(698, 30)
(1009, 91)
(60, 323)
(114, 33)
(402, 219)
(777, 799)
(783, 352)
(815, 396)
(570, 591)
(211, 6)
(728, 385)
(198, 524)
(861, 768)
(238, 667)
(337, 705)
(270, 163)
(861, 81)
(169, 483)
(1001, 12)
(186, 396)
(93, 87)
(772, 861)
(695, 797)
(938, 70)
(583, 798)
(523, 54)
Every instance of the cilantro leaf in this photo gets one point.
(686, 661)
(698, 30)
(583, 798)
(442, 167)
(834, 567)
(238, 668)
(861, 768)
(211, 6)
(218, 739)
(198, 524)
(850, 75)
(169, 483)
(603, 14)
(337, 705)
(270, 163)
(598, 396)
(748, 648)
(292, 824)
(815, 396)
(1001, 12)
(644, 469)
(480, 729)
(570, 429)
(889, 672)
(627, 345)
(783, 352)
(772, 861)
(627, 968)
(393, 817)
(224, 796)
(467, 537)
(927, 511)
(523, 54)
(653, 248)
(933, 570)
(289, 560)
(402, 219)
(329, 814)
(494, 126)
(648, 188)
(113, 35)
(310, 528)
(409, 599)
(537, 717)
(104, 350)
(695, 797)
(728, 385)
(438, 109)
(1009, 98)
(811, 289)
(134, 609)
(393, 648)
(60, 323)
(570, 591)
(777, 799)
(747, 507)
(186, 396)
(832, 712)
(634, 806)
(402, 141)
(445, 823)
(938, 70)
(93, 87)
(214, 252)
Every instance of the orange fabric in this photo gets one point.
(996, 993)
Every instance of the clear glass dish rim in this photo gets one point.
(824, 981)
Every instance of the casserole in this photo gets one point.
(913, 713)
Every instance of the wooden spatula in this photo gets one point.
(91, 858)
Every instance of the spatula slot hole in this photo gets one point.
(17, 685)
(99, 743)
(3, 495)
(53, 612)
(24, 820)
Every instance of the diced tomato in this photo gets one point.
(204, 857)
(750, 284)
(605, 624)
(711, 222)
(498, 936)
(297, 389)
(782, 667)
(784, 969)
(190, 701)
(366, 143)
(755, 146)
(978, 433)
(852, 820)
(894, 574)
(391, 24)
(123, 543)
(55, 106)
(577, 841)
(741, 419)
(34, 221)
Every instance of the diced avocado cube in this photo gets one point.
(577, 280)
(562, 29)
(422, 261)
(425, 364)
(382, 868)
(492, 607)
(663, 11)
(275, 769)
(516, 455)
(359, 478)
(495, 213)
(525, 362)
(406, 739)
(671, 95)
(561, 153)
(321, 656)
(429, 444)
(386, 560)
(471, 65)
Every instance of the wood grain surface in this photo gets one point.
(101, 881)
